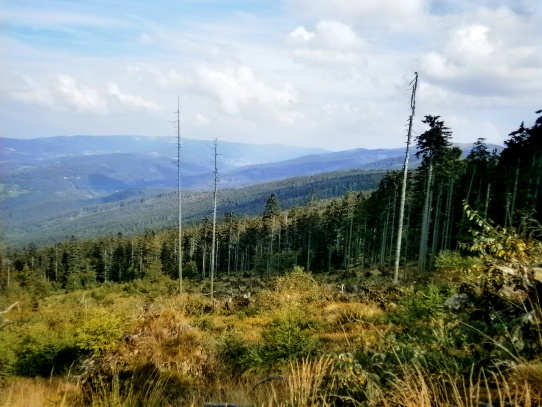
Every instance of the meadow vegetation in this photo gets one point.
(467, 334)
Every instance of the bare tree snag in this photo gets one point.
(414, 84)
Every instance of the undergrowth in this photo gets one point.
(297, 341)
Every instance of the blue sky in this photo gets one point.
(323, 73)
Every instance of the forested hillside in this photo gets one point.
(53, 188)
(134, 212)
(356, 229)
(295, 304)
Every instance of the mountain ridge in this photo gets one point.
(61, 176)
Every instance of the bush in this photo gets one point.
(237, 355)
(351, 381)
(100, 333)
(287, 337)
(42, 352)
(142, 385)
(154, 285)
(452, 260)
(294, 289)
(7, 358)
(418, 304)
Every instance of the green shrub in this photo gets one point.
(7, 357)
(351, 381)
(154, 285)
(418, 303)
(288, 337)
(205, 323)
(42, 352)
(190, 270)
(237, 355)
(452, 260)
(100, 333)
(101, 298)
(299, 280)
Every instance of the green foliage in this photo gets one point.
(453, 260)
(42, 352)
(351, 381)
(190, 270)
(272, 207)
(100, 333)
(159, 285)
(8, 357)
(133, 216)
(237, 355)
(500, 242)
(154, 274)
(101, 298)
(298, 280)
(418, 303)
(288, 337)
(434, 143)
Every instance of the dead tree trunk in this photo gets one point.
(404, 184)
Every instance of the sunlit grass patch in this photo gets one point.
(25, 392)
(353, 311)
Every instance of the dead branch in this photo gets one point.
(10, 307)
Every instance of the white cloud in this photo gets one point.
(79, 97)
(331, 73)
(337, 35)
(65, 93)
(32, 93)
(471, 42)
(437, 65)
(329, 34)
(130, 100)
(301, 34)
(483, 55)
(331, 43)
(164, 76)
(239, 90)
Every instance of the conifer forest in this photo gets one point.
(299, 306)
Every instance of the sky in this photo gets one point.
(333, 74)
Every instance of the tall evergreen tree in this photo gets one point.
(519, 176)
(432, 146)
(271, 226)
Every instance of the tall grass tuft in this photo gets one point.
(306, 379)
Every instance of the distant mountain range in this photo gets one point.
(56, 176)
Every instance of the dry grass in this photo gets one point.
(418, 388)
(347, 326)
(25, 392)
(167, 339)
(302, 384)
(116, 393)
(305, 381)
